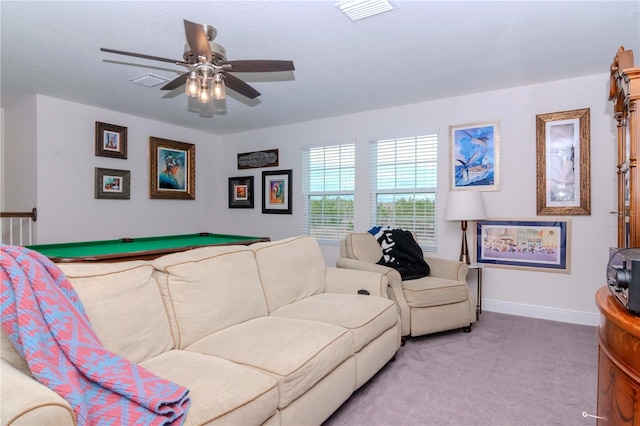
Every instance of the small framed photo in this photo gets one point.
(534, 245)
(563, 163)
(475, 156)
(172, 174)
(241, 192)
(111, 184)
(111, 140)
(276, 192)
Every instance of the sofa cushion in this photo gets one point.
(290, 269)
(363, 246)
(124, 306)
(209, 289)
(297, 353)
(221, 391)
(367, 317)
(433, 291)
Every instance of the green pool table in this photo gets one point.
(146, 248)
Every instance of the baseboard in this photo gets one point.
(541, 312)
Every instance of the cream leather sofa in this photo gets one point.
(264, 334)
(438, 302)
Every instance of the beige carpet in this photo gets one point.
(509, 370)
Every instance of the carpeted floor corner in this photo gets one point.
(508, 371)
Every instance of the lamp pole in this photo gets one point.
(464, 250)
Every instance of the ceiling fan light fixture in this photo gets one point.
(217, 88)
(205, 92)
(359, 9)
(192, 87)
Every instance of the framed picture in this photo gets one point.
(475, 156)
(241, 192)
(563, 164)
(253, 160)
(276, 192)
(524, 244)
(173, 169)
(111, 140)
(111, 184)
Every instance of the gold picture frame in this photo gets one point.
(563, 165)
(172, 174)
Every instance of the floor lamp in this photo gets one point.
(464, 206)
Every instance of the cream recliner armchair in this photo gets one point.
(438, 302)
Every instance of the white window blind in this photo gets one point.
(328, 185)
(404, 178)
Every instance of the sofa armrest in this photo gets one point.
(394, 290)
(350, 281)
(449, 269)
(348, 263)
(25, 401)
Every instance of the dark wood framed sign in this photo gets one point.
(257, 159)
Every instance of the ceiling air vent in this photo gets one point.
(149, 80)
(359, 9)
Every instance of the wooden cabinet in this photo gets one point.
(618, 363)
(625, 93)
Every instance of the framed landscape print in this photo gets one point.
(475, 156)
(276, 192)
(111, 140)
(524, 244)
(563, 167)
(111, 184)
(172, 174)
(241, 192)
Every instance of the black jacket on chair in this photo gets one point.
(401, 252)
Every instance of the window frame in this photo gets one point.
(345, 166)
(425, 158)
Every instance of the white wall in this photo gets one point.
(67, 210)
(2, 160)
(19, 156)
(64, 135)
(548, 295)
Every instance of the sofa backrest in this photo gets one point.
(290, 269)
(124, 306)
(208, 289)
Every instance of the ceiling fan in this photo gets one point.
(208, 70)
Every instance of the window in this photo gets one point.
(404, 175)
(328, 185)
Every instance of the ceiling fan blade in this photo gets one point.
(240, 86)
(197, 39)
(177, 82)
(140, 55)
(259, 65)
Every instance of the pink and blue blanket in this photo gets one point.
(46, 322)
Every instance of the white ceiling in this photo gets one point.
(424, 50)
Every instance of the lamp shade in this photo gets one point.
(465, 205)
